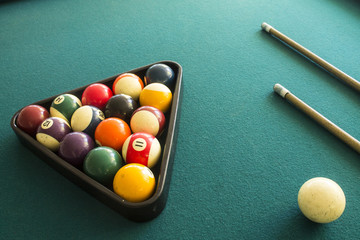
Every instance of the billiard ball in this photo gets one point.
(52, 131)
(121, 106)
(96, 95)
(142, 148)
(64, 106)
(160, 73)
(321, 200)
(86, 119)
(156, 95)
(30, 118)
(102, 163)
(112, 132)
(74, 148)
(129, 84)
(134, 182)
(149, 120)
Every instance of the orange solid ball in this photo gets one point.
(134, 182)
(112, 132)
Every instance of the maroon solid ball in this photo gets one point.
(96, 95)
(30, 118)
(148, 119)
(74, 148)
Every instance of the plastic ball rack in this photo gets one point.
(142, 211)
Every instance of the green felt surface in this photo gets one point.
(243, 152)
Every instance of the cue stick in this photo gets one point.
(320, 119)
(316, 59)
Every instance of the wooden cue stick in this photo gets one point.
(327, 124)
(318, 60)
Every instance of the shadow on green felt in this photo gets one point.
(297, 226)
(344, 161)
(59, 199)
(350, 6)
(3, 2)
(35, 172)
(296, 118)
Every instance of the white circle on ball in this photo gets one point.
(47, 124)
(139, 144)
(59, 99)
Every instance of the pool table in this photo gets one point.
(242, 151)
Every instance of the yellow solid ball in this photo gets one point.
(321, 200)
(134, 182)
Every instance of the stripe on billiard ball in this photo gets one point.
(129, 84)
(142, 148)
(86, 119)
(149, 120)
(51, 132)
(156, 95)
(64, 106)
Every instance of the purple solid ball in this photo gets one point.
(74, 148)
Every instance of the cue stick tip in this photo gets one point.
(266, 27)
(279, 89)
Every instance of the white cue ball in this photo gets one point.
(321, 200)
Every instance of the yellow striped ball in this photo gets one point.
(156, 95)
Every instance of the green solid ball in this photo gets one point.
(102, 163)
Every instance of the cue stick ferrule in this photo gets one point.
(266, 27)
(317, 117)
(279, 89)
